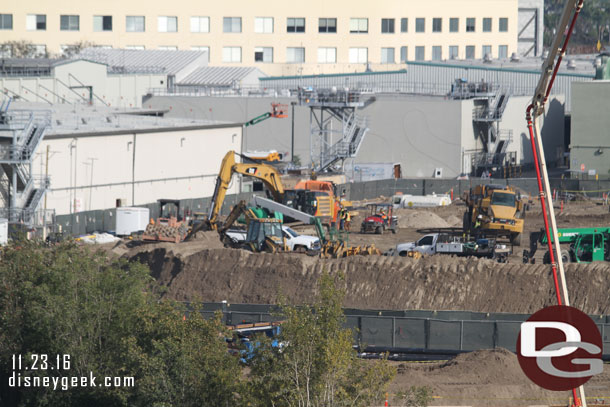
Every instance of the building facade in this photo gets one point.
(589, 138)
(279, 38)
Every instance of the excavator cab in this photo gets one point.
(265, 235)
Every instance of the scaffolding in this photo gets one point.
(336, 131)
(489, 105)
(21, 132)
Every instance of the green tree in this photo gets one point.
(315, 364)
(105, 314)
(20, 49)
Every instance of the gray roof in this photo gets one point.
(218, 76)
(141, 61)
(68, 119)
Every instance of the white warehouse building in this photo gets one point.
(96, 157)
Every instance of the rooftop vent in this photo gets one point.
(571, 64)
(487, 59)
(514, 57)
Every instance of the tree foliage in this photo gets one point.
(593, 20)
(315, 364)
(107, 316)
(103, 313)
(20, 49)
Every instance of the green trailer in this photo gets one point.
(582, 245)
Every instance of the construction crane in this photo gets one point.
(277, 110)
(534, 110)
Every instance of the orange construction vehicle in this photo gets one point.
(328, 203)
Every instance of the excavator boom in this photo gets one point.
(266, 173)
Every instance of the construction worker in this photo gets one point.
(348, 219)
(384, 217)
(477, 224)
(341, 215)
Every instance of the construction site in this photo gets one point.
(446, 212)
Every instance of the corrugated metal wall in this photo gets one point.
(430, 78)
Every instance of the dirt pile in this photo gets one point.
(483, 378)
(375, 282)
(409, 218)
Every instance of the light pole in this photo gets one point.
(90, 163)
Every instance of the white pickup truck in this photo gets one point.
(437, 243)
(295, 241)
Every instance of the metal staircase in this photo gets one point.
(336, 132)
(22, 192)
(487, 115)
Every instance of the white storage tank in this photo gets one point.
(3, 231)
(129, 220)
(417, 201)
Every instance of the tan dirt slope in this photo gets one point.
(375, 282)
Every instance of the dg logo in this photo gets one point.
(560, 348)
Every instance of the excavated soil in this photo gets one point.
(484, 378)
(374, 282)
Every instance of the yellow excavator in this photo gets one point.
(263, 234)
(266, 173)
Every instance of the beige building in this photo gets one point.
(281, 38)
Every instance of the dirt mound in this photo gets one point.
(453, 221)
(208, 239)
(374, 282)
(481, 378)
(413, 218)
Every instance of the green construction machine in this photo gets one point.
(582, 245)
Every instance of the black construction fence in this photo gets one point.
(567, 188)
(412, 331)
(104, 220)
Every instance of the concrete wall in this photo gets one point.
(420, 133)
(590, 135)
(279, 39)
(122, 91)
(96, 170)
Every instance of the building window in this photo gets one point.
(487, 24)
(36, 22)
(420, 53)
(437, 25)
(135, 24)
(470, 25)
(200, 24)
(469, 51)
(453, 52)
(167, 48)
(69, 23)
(231, 54)
(403, 54)
(295, 55)
(167, 24)
(295, 25)
(387, 25)
(359, 25)
(202, 48)
(503, 24)
(420, 25)
(486, 50)
(502, 51)
(437, 53)
(263, 54)
(387, 56)
(327, 25)
(263, 25)
(102, 23)
(454, 24)
(6, 21)
(327, 55)
(358, 55)
(404, 25)
(231, 24)
(135, 47)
